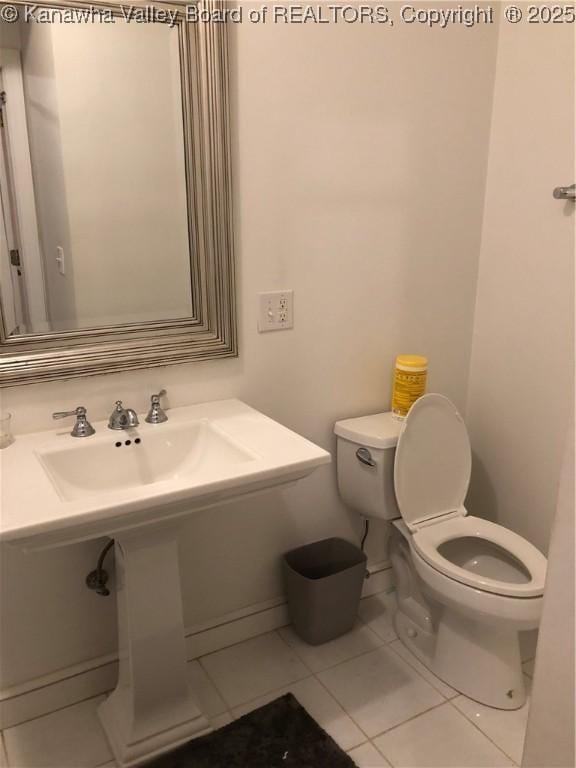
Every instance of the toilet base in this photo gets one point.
(479, 660)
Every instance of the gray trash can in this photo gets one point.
(323, 583)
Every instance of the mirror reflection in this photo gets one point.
(94, 229)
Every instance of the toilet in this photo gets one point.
(465, 586)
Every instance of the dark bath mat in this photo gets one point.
(279, 735)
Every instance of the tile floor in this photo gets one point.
(378, 702)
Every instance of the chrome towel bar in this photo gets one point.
(565, 193)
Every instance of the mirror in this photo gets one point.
(110, 233)
(97, 112)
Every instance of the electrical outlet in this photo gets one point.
(276, 311)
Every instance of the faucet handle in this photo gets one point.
(79, 411)
(155, 399)
(156, 414)
(82, 428)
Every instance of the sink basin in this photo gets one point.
(57, 489)
(135, 458)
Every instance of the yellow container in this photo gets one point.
(409, 382)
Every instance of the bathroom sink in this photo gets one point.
(57, 489)
(135, 458)
(137, 485)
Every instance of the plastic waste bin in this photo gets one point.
(323, 584)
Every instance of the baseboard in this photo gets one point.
(82, 681)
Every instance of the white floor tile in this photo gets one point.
(318, 657)
(367, 756)
(379, 690)
(506, 728)
(254, 667)
(378, 613)
(68, 738)
(434, 681)
(208, 699)
(321, 706)
(441, 738)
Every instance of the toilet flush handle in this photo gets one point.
(365, 457)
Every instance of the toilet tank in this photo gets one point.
(365, 464)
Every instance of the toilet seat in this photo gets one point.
(432, 470)
(427, 540)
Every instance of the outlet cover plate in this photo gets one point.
(275, 311)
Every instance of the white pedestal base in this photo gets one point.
(152, 710)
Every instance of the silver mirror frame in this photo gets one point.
(211, 333)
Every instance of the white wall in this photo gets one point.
(550, 732)
(114, 90)
(522, 359)
(32, 283)
(352, 148)
(119, 94)
(10, 36)
(50, 195)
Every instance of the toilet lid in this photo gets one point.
(433, 461)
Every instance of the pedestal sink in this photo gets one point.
(138, 486)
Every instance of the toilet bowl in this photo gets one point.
(465, 586)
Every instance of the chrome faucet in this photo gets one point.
(122, 418)
(82, 428)
(156, 414)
